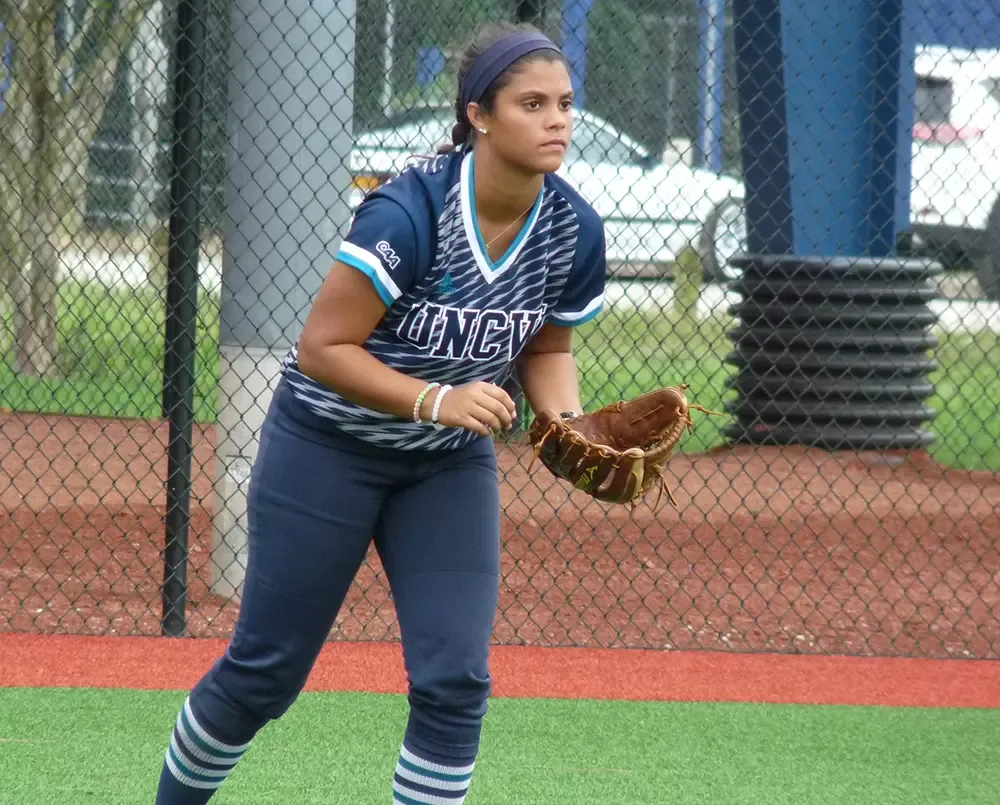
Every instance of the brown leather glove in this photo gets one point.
(617, 453)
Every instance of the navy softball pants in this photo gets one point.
(316, 501)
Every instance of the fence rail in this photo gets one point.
(822, 265)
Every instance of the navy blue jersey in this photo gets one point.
(454, 315)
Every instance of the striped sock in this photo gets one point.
(196, 760)
(422, 782)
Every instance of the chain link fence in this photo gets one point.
(174, 177)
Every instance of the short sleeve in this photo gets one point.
(382, 245)
(583, 297)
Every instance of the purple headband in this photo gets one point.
(497, 58)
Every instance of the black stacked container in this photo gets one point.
(833, 353)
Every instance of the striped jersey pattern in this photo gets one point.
(462, 317)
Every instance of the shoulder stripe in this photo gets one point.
(592, 308)
(369, 264)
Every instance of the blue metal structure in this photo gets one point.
(574, 43)
(826, 114)
(957, 23)
(711, 62)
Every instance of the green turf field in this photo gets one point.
(80, 746)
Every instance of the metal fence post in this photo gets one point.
(182, 304)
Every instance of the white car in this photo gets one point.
(651, 211)
(955, 188)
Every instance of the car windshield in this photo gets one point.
(594, 143)
(421, 131)
(993, 87)
(933, 100)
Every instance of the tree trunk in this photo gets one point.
(44, 146)
(10, 267)
(36, 294)
(35, 290)
(37, 316)
(150, 55)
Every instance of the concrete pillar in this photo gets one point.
(291, 107)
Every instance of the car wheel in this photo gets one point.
(722, 237)
(988, 265)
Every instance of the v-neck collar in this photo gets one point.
(477, 244)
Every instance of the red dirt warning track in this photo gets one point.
(177, 664)
(788, 550)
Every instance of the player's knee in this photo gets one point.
(246, 699)
(446, 715)
(269, 697)
(455, 697)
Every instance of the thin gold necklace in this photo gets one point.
(504, 230)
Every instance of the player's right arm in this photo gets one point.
(372, 269)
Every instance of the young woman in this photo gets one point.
(471, 263)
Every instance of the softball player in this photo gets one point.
(473, 262)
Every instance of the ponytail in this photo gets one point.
(459, 134)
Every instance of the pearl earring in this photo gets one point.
(482, 131)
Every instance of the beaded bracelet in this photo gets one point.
(420, 400)
(437, 406)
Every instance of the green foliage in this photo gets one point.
(967, 393)
(619, 59)
(111, 357)
(688, 275)
(369, 62)
(445, 24)
(622, 354)
(441, 91)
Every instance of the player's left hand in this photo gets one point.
(619, 452)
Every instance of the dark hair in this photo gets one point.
(489, 33)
